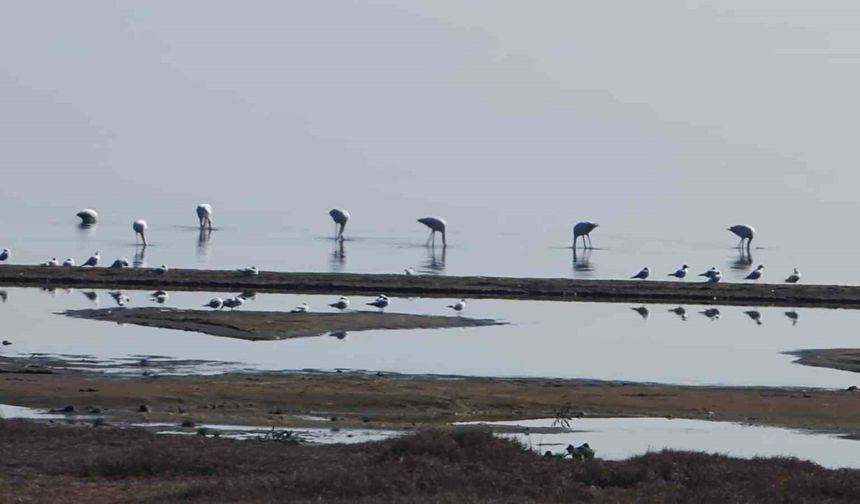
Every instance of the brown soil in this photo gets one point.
(846, 359)
(255, 325)
(448, 286)
(394, 401)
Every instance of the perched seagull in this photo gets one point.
(340, 218)
(458, 306)
(436, 225)
(680, 311)
(793, 315)
(711, 313)
(215, 303)
(755, 315)
(120, 298)
(381, 302)
(756, 273)
(713, 275)
(584, 230)
(139, 227)
(159, 296)
(120, 263)
(92, 261)
(794, 277)
(161, 269)
(52, 262)
(642, 311)
(341, 304)
(88, 216)
(5, 254)
(642, 275)
(204, 214)
(302, 308)
(252, 271)
(69, 262)
(410, 271)
(234, 302)
(743, 232)
(680, 273)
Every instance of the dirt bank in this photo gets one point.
(395, 401)
(257, 325)
(442, 286)
(846, 359)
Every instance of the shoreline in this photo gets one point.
(558, 289)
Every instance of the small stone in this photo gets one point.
(144, 408)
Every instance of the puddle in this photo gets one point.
(622, 438)
(303, 435)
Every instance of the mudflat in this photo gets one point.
(846, 359)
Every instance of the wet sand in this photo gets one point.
(399, 401)
(258, 325)
(561, 289)
(846, 359)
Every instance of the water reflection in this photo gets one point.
(711, 313)
(680, 311)
(140, 257)
(337, 262)
(793, 315)
(435, 263)
(743, 261)
(92, 296)
(755, 315)
(203, 245)
(4, 296)
(341, 335)
(642, 311)
(86, 231)
(582, 261)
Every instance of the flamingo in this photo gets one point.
(139, 227)
(744, 232)
(340, 218)
(204, 214)
(436, 225)
(584, 230)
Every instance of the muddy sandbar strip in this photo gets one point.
(845, 359)
(441, 286)
(260, 325)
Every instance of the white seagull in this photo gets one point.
(794, 277)
(139, 227)
(120, 263)
(713, 275)
(643, 274)
(458, 306)
(584, 230)
(52, 262)
(161, 269)
(5, 254)
(680, 273)
(302, 308)
(69, 262)
(381, 302)
(743, 232)
(340, 218)
(204, 214)
(756, 273)
(436, 225)
(88, 216)
(215, 303)
(410, 271)
(341, 304)
(252, 271)
(92, 261)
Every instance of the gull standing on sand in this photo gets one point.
(680, 273)
(69, 262)
(139, 227)
(744, 232)
(756, 273)
(92, 261)
(340, 218)
(52, 262)
(215, 303)
(341, 304)
(584, 230)
(88, 216)
(381, 302)
(436, 225)
(643, 274)
(160, 270)
(204, 215)
(302, 308)
(410, 271)
(713, 275)
(794, 277)
(458, 306)
(252, 271)
(5, 254)
(120, 263)
(234, 302)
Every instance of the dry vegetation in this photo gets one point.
(75, 464)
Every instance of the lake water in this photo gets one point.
(542, 339)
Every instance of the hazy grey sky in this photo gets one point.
(505, 110)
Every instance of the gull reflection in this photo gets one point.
(755, 315)
(680, 311)
(337, 261)
(642, 311)
(92, 296)
(711, 313)
(203, 245)
(435, 262)
(341, 335)
(793, 315)
(139, 257)
(4, 296)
